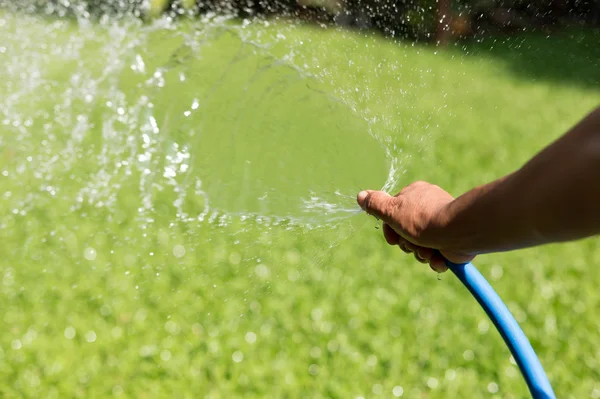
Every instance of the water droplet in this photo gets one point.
(293, 275)
(315, 352)
(235, 258)
(497, 272)
(165, 355)
(69, 332)
(372, 360)
(432, 382)
(116, 332)
(171, 327)
(197, 329)
(398, 391)
(29, 336)
(332, 346)
(492, 387)
(316, 314)
(262, 271)
(469, 355)
(89, 253)
(483, 326)
(169, 172)
(313, 369)
(8, 279)
(511, 372)
(90, 336)
(250, 337)
(237, 356)
(450, 374)
(139, 64)
(147, 350)
(179, 251)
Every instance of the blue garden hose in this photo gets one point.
(513, 336)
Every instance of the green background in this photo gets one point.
(118, 280)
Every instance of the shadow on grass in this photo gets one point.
(570, 57)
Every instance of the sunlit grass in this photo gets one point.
(96, 304)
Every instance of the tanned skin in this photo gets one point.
(554, 197)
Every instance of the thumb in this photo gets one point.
(376, 203)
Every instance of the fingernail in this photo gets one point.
(361, 198)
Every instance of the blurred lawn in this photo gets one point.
(98, 303)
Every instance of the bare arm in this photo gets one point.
(554, 197)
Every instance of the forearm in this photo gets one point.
(554, 197)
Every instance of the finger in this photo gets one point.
(376, 203)
(419, 259)
(457, 258)
(425, 253)
(390, 235)
(402, 243)
(438, 264)
(404, 249)
(407, 245)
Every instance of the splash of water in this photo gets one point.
(197, 122)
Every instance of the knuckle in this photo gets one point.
(379, 203)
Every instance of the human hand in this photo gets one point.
(414, 219)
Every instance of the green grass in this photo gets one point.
(322, 313)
